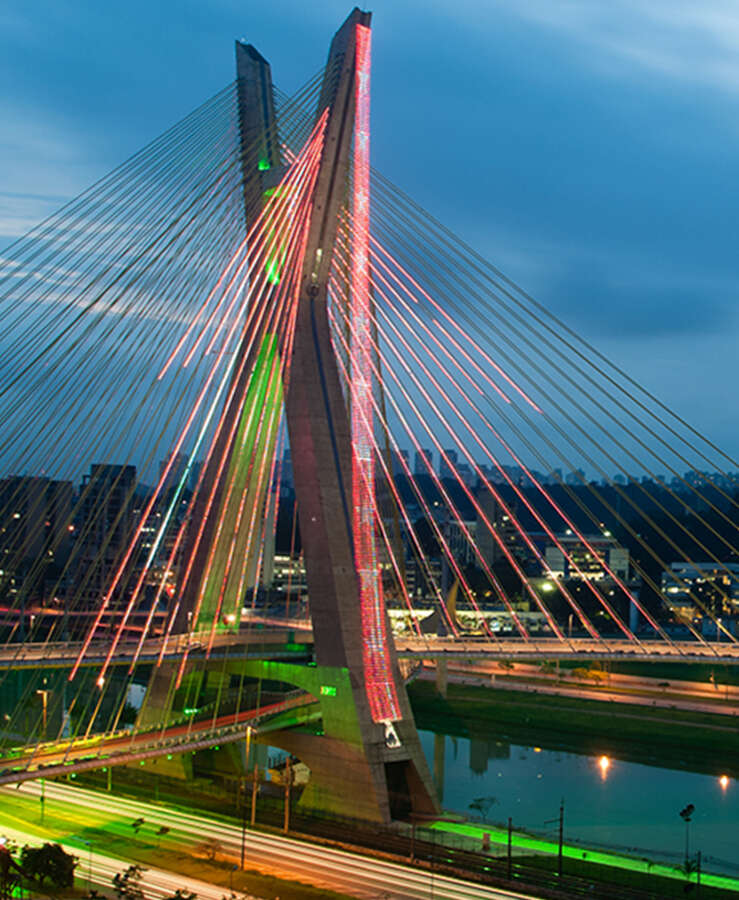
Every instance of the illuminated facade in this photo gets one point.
(692, 590)
(587, 558)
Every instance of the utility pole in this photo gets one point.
(254, 789)
(698, 875)
(561, 833)
(510, 846)
(288, 783)
(243, 821)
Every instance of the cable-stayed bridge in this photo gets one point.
(245, 337)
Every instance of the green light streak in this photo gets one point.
(276, 255)
(252, 444)
(263, 165)
(598, 857)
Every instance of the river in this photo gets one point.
(608, 803)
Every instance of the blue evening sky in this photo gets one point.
(589, 148)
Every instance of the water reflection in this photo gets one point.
(608, 802)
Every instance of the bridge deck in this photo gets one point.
(63, 758)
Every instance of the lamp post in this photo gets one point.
(44, 694)
(243, 796)
(686, 814)
(243, 821)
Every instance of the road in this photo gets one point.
(97, 870)
(261, 642)
(636, 691)
(540, 649)
(325, 867)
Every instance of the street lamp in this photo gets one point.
(44, 694)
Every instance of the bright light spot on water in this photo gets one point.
(604, 764)
(724, 782)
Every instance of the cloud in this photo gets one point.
(679, 39)
(44, 162)
(610, 291)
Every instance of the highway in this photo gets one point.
(98, 870)
(325, 867)
(712, 697)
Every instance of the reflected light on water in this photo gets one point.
(724, 782)
(604, 764)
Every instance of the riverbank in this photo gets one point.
(697, 742)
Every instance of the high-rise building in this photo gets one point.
(401, 463)
(105, 525)
(495, 530)
(423, 462)
(35, 533)
(446, 466)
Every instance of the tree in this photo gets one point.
(209, 848)
(482, 805)
(49, 861)
(127, 884)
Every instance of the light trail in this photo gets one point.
(348, 872)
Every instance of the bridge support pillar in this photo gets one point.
(386, 782)
(439, 764)
(442, 676)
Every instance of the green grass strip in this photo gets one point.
(598, 857)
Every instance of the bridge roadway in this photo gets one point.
(294, 643)
(64, 757)
(540, 649)
(273, 643)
